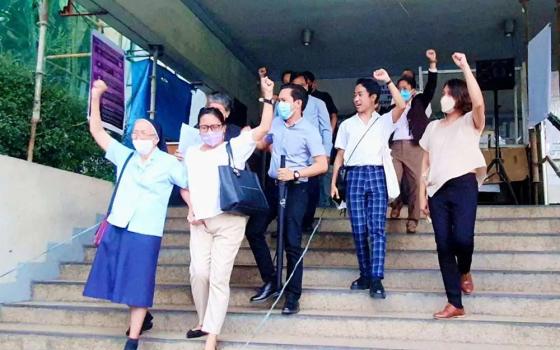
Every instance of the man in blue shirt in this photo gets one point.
(299, 140)
(315, 112)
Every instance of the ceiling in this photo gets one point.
(352, 37)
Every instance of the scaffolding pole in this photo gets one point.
(153, 82)
(39, 73)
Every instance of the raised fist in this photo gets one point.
(431, 55)
(98, 88)
(460, 60)
(382, 75)
(267, 87)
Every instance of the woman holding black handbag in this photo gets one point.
(365, 136)
(124, 268)
(216, 235)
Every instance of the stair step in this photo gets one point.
(405, 259)
(513, 225)
(483, 212)
(337, 299)
(402, 241)
(341, 277)
(518, 331)
(46, 337)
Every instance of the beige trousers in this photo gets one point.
(407, 159)
(213, 248)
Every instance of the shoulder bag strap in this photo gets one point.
(361, 138)
(230, 161)
(118, 182)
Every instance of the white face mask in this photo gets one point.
(144, 147)
(447, 104)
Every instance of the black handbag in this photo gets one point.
(343, 170)
(240, 189)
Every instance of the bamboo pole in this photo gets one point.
(39, 72)
(68, 55)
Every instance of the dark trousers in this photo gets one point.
(314, 188)
(453, 211)
(296, 203)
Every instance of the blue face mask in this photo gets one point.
(284, 110)
(406, 94)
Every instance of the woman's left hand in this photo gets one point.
(192, 220)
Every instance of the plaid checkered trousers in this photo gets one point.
(366, 199)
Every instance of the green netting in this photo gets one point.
(63, 140)
(19, 36)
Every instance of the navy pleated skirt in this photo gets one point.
(124, 268)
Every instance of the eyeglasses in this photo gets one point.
(213, 127)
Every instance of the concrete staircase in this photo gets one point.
(516, 304)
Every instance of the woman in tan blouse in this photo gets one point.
(451, 162)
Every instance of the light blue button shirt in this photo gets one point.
(317, 114)
(299, 143)
(143, 194)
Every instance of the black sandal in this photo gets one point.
(195, 333)
(146, 325)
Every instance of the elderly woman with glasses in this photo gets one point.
(124, 268)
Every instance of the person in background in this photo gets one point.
(219, 100)
(449, 191)
(124, 268)
(324, 197)
(215, 236)
(360, 142)
(286, 76)
(409, 73)
(296, 138)
(323, 96)
(315, 112)
(407, 154)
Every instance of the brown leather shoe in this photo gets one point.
(449, 312)
(467, 283)
(411, 226)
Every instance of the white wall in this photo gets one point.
(39, 206)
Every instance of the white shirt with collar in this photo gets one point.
(370, 149)
(203, 174)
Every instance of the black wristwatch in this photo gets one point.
(266, 100)
(296, 175)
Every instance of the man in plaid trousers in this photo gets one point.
(360, 142)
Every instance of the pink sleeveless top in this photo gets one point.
(454, 151)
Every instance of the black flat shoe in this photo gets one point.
(290, 308)
(195, 333)
(267, 291)
(131, 344)
(146, 325)
(361, 283)
(376, 290)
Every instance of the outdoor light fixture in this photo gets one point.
(306, 36)
(509, 27)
